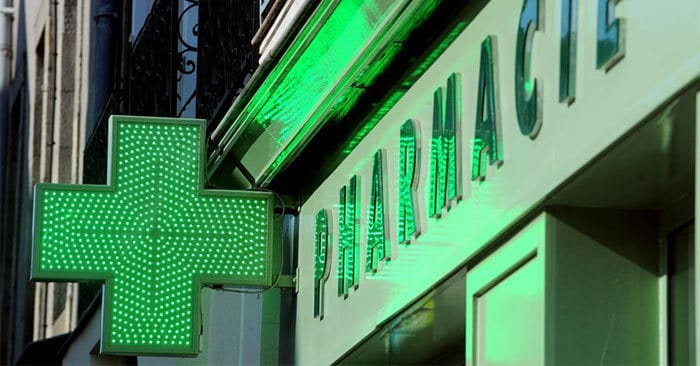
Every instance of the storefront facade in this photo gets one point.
(483, 182)
(457, 175)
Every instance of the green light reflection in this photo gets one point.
(322, 264)
(378, 245)
(348, 97)
(409, 159)
(406, 84)
(349, 240)
(445, 182)
(316, 70)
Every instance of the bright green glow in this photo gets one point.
(378, 246)
(346, 98)
(610, 40)
(349, 240)
(381, 61)
(406, 84)
(153, 235)
(340, 51)
(529, 87)
(315, 71)
(287, 101)
(409, 159)
(487, 139)
(383, 110)
(445, 182)
(322, 264)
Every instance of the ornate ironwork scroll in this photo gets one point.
(226, 57)
(187, 52)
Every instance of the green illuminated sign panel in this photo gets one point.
(153, 235)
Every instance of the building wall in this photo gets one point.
(15, 296)
(56, 33)
(44, 140)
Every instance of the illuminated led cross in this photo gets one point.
(153, 235)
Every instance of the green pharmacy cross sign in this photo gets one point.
(153, 235)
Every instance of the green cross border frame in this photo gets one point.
(141, 241)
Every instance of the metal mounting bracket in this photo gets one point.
(289, 281)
